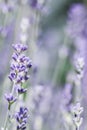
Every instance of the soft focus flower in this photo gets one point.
(77, 110)
(37, 4)
(80, 63)
(79, 67)
(77, 21)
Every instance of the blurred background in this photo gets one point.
(51, 88)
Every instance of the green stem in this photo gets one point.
(6, 121)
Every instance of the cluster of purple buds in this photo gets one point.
(20, 65)
(21, 118)
(11, 99)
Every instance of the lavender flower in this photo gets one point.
(21, 118)
(20, 64)
(20, 47)
(77, 110)
(20, 89)
(7, 6)
(77, 21)
(11, 99)
(80, 67)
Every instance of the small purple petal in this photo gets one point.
(20, 47)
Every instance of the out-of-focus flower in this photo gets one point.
(80, 63)
(37, 4)
(79, 67)
(77, 21)
(22, 118)
(8, 6)
(76, 111)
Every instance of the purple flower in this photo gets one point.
(77, 21)
(29, 63)
(20, 47)
(21, 118)
(20, 66)
(12, 76)
(33, 3)
(26, 77)
(22, 58)
(19, 79)
(14, 66)
(21, 90)
(15, 56)
(11, 99)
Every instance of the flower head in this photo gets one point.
(20, 64)
(77, 21)
(20, 47)
(11, 99)
(21, 118)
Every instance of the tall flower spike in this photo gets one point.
(20, 65)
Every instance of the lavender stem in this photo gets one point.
(6, 121)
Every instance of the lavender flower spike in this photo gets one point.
(21, 118)
(20, 64)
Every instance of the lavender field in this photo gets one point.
(43, 64)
